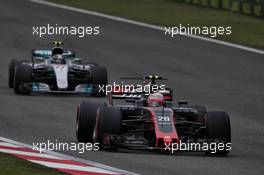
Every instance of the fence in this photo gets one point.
(251, 7)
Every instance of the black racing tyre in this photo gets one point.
(218, 128)
(11, 71)
(85, 121)
(99, 77)
(108, 122)
(23, 75)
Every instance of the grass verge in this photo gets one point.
(246, 30)
(10, 165)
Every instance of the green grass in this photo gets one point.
(235, 5)
(10, 165)
(246, 30)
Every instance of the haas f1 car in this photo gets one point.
(56, 70)
(152, 122)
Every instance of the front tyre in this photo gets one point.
(108, 123)
(218, 128)
(22, 79)
(85, 121)
(11, 71)
(99, 77)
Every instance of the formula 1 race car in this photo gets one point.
(152, 122)
(56, 70)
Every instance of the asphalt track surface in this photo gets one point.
(220, 77)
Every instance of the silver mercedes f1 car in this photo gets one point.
(56, 70)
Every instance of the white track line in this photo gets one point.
(55, 155)
(24, 153)
(9, 145)
(84, 169)
(146, 25)
(72, 167)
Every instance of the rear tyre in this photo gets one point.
(23, 76)
(99, 77)
(218, 128)
(108, 124)
(11, 71)
(85, 121)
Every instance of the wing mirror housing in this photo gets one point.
(182, 103)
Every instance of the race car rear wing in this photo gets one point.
(133, 94)
(127, 96)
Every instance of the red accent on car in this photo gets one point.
(163, 137)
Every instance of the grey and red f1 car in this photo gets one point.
(152, 122)
(56, 70)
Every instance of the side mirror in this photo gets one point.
(182, 103)
(77, 60)
(169, 104)
(38, 60)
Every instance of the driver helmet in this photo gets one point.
(57, 51)
(57, 55)
(155, 100)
